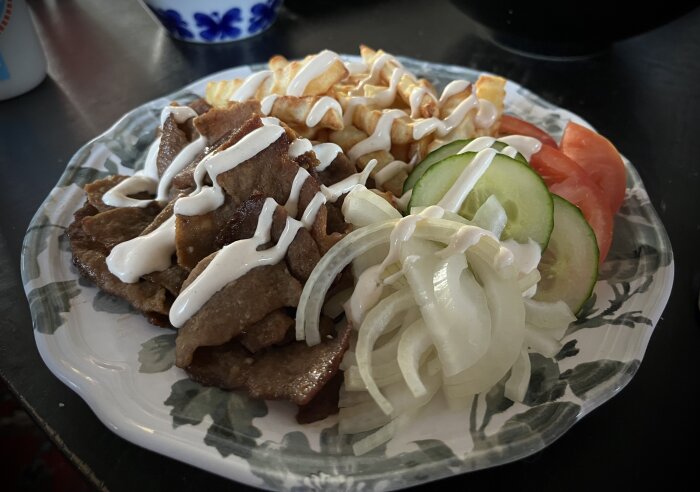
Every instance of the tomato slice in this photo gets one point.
(510, 125)
(567, 179)
(599, 158)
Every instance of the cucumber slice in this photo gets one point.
(569, 265)
(519, 189)
(434, 157)
(443, 152)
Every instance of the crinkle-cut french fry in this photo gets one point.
(383, 158)
(489, 88)
(428, 85)
(322, 135)
(304, 131)
(493, 89)
(320, 85)
(407, 83)
(465, 129)
(342, 89)
(427, 106)
(347, 137)
(400, 151)
(395, 183)
(386, 195)
(419, 149)
(296, 110)
(217, 93)
(367, 54)
(277, 62)
(449, 104)
(366, 119)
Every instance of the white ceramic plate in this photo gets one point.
(123, 367)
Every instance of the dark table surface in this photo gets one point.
(107, 57)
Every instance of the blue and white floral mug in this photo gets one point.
(214, 21)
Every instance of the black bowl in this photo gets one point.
(569, 29)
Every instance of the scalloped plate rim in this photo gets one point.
(126, 427)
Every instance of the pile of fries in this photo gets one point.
(354, 97)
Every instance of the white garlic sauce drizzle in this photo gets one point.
(326, 154)
(374, 72)
(152, 252)
(486, 115)
(455, 196)
(232, 262)
(150, 165)
(208, 198)
(393, 168)
(350, 107)
(380, 138)
(527, 146)
(180, 113)
(118, 196)
(425, 126)
(292, 205)
(382, 98)
(250, 86)
(147, 180)
(468, 236)
(181, 160)
(270, 121)
(238, 258)
(320, 108)
(298, 147)
(389, 170)
(267, 103)
(454, 87)
(369, 287)
(403, 201)
(355, 67)
(132, 259)
(416, 98)
(310, 71)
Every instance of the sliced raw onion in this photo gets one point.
(385, 434)
(374, 325)
(367, 416)
(463, 305)
(541, 341)
(362, 207)
(491, 216)
(516, 386)
(362, 240)
(554, 317)
(334, 306)
(414, 345)
(508, 323)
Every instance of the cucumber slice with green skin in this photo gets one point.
(434, 157)
(447, 150)
(519, 190)
(569, 265)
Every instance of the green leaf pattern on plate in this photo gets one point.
(49, 303)
(157, 354)
(232, 413)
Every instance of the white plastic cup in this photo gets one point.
(22, 60)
